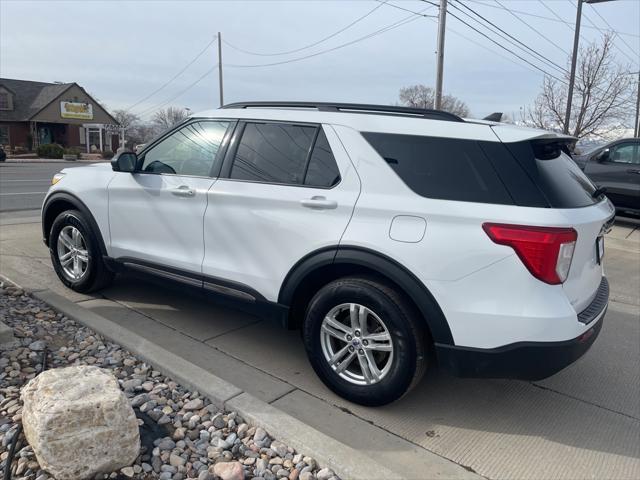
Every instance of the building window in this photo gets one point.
(4, 135)
(5, 101)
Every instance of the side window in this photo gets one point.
(273, 153)
(626, 153)
(322, 170)
(443, 168)
(190, 150)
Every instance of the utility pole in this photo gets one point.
(220, 68)
(442, 18)
(574, 59)
(637, 124)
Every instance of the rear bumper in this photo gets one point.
(527, 360)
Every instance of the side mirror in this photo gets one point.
(603, 156)
(124, 162)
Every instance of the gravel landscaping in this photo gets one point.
(182, 434)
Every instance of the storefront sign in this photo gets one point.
(81, 111)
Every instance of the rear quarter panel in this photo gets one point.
(488, 296)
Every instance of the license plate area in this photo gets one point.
(600, 249)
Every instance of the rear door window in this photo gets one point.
(273, 153)
(441, 168)
(323, 170)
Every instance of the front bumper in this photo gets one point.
(527, 360)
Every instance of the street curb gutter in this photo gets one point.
(347, 462)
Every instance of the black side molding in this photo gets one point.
(225, 292)
(376, 262)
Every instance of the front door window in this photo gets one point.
(191, 150)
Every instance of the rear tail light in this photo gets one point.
(545, 251)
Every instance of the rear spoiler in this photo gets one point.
(494, 117)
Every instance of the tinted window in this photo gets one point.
(190, 150)
(323, 170)
(444, 168)
(559, 179)
(273, 153)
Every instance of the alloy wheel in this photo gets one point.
(72, 253)
(356, 344)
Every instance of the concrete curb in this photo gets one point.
(347, 462)
(188, 374)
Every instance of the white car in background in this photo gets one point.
(392, 237)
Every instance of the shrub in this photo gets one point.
(107, 154)
(50, 150)
(73, 151)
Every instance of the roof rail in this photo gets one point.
(354, 108)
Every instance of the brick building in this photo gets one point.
(35, 113)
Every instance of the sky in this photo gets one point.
(123, 51)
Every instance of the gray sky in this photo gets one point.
(120, 51)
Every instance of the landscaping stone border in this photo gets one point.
(347, 462)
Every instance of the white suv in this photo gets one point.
(392, 237)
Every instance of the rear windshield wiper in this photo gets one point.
(599, 191)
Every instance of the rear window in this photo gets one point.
(555, 174)
(441, 168)
(532, 173)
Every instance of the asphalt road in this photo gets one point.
(583, 422)
(23, 185)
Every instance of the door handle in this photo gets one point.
(319, 203)
(634, 170)
(184, 191)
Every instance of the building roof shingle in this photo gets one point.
(29, 97)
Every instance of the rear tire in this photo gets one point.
(375, 360)
(75, 253)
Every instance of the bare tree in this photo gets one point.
(168, 117)
(126, 119)
(601, 96)
(421, 96)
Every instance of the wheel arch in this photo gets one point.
(57, 203)
(322, 266)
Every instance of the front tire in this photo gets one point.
(364, 341)
(75, 253)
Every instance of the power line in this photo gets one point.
(534, 29)
(175, 76)
(584, 14)
(511, 39)
(479, 2)
(385, 29)
(180, 93)
(359, 19)
(569, 25)
(388, 3)
(611, 28)
(504, 48)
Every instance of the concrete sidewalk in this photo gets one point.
(583, 422)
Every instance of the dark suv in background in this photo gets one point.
(616, 167)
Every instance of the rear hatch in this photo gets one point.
(555, 181)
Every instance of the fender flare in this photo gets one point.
(78, 205)
(377, 262)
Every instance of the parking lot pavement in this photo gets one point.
(581, 423)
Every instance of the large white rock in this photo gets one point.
(79, 422)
